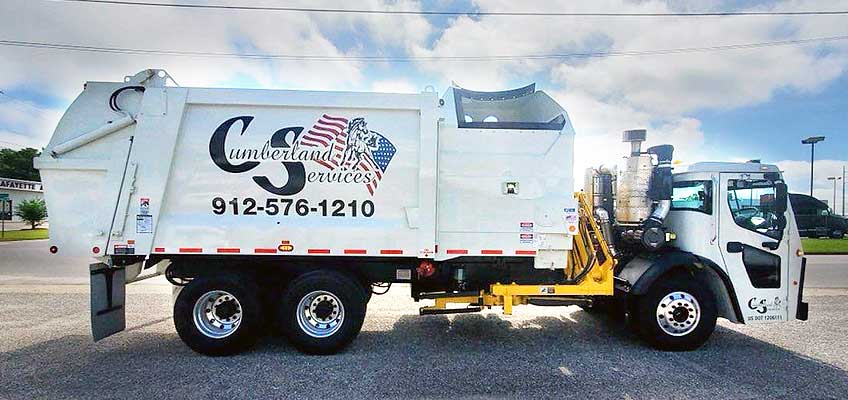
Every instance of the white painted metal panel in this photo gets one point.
(306, 218)
(233, 171)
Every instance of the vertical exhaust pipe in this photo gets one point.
(660, 190)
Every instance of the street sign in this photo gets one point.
(4, 200)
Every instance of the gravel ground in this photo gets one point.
(553, 352)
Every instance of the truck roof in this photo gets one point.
(731, 167)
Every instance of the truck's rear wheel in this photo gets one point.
(217, 315)
(321, 312)
(676, 314)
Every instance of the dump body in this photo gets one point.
(174, 170)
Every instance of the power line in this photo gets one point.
(389, 59)
(461, 13)
(13, 144)
(15, 100)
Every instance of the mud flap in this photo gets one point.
(108, 316)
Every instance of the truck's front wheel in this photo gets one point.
(217, 315)
(321, 312)
(676, 314)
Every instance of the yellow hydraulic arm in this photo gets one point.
(589, 272)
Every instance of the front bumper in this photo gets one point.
(803, 309)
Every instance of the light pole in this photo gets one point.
(834, 179)
(812, 140)
(843, 190)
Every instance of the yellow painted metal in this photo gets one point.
(590, 251)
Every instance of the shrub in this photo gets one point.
(34, 212)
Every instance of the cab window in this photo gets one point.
(692, 196)
(752, 204)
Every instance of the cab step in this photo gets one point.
(440, 295)
(437, 311)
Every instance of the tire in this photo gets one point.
(321, 312)
(689, 320)
(209, 301)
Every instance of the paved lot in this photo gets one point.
(561, 352)
(537, 353)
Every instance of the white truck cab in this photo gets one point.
(729, 214)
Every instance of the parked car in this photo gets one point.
(815, 219)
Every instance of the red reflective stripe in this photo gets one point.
(355, 251)
(491, 251)
(191, 250)
(318, 251)
(526, 252)
(457, 251)
(159, 250)
(391, 251)
(229, 250)
(265, 250)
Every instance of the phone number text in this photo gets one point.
(286, 207)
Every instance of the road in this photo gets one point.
(562, 352)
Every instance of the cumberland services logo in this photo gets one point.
(338, 150)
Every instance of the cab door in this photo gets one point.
(754, 245)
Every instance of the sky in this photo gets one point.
(729, 105)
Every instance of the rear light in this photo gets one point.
(426, 269)
(54, 249)
(95, 250)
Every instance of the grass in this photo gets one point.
(825, 246)
(26, 234)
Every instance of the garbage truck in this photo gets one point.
(287, 210)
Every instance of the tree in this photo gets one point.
(17, 164)
(34, 211)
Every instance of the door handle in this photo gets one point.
(771, 245)
(734, 247)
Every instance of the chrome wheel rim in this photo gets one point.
(678, 313)
(217, 314)
(320, 314)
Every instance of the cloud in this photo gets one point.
(603, 96)
(663, 85)
(599, 126)
(24, 124)
(394, 86)
(61, 74)
(402, 32)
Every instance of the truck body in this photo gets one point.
(815, 219)
(300, 204)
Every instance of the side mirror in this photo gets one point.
(781, 198)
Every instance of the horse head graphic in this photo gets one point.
(359, 141)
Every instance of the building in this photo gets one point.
(13, 192)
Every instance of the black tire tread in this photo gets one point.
(243, 338)
(646, 306)
(350, 292)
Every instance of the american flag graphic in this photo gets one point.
(332, 132)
